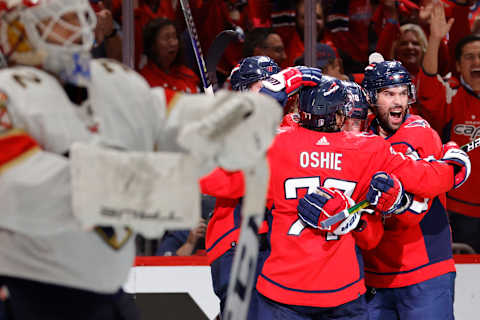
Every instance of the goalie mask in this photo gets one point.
(386, 74)
(251, 70)
(56, 35)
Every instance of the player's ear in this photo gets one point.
(340, 119)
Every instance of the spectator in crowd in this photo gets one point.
(327, 60)
(295, 44)
(289, 22)
(348, 26)
(147, 11)
(183, 242)
(265, 42)
(107, 37)
(407, 42)
(409, 48)
(164, 66)
(188, 242)
(453, 109)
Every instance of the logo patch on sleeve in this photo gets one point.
(5, 121)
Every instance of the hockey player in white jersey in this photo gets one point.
(52, 96)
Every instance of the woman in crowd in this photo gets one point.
(164, 66)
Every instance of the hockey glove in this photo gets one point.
(387, 194)
(290, 80)
(460, 161)
(321, 205)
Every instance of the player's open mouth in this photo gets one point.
(475, 73)
(396, 116)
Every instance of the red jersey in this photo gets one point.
(144, 14)
(416, 245)
(224, 225)
(454, 111)
(228, 188)
(308, 266)
(179, 79)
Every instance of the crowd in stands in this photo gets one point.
(444, 72)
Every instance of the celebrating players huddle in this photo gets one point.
(65, 117)
(325, 164)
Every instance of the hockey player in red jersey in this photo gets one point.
(314, 273)
(411, 272)
(229, 187)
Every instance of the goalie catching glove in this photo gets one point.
(459, 159)
(324, 203)
(236, 133)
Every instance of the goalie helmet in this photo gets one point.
(56, 35)
(387, 74)
(251, 70)
(319, 105)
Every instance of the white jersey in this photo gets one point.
(39, 237)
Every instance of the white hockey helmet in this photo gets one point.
(56, 35)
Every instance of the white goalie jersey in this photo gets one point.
(53, 196)
(40, 239)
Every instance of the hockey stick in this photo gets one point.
(362, 204)
(192, 32)
(216, 50)
(242, 276)
(3, 61)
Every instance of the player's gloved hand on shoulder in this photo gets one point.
(291, 79)
(456, 157)
(316, 207)
(386, 193)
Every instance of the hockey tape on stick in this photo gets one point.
(192, 32)
(325, 224)
(242, 277)
(472, 145)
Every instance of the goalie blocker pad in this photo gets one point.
(149, 192)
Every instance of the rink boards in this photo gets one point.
(181, 287)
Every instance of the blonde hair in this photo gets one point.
(417, 30)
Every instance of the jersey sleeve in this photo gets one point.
(423, 178)
(28, 177)
(427, 143)
(223, 184)
(369, 231)
(125, 106)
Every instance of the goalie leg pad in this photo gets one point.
(149, 192)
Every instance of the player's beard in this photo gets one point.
(385, 120)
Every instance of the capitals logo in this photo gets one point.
(467, 130)
(418, 123)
